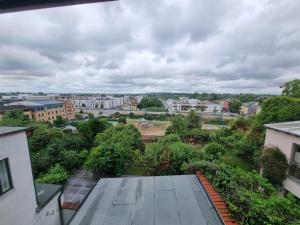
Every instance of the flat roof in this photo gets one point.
(161, 200)
(12, 107)
(45, 192)
(292, 128)
(8, 130)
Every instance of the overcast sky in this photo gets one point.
(139, 46)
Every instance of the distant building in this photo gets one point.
(185, 104)
(250, 108)
(89, 102)
(23, 202)
(69, 110)
(286, 136)
(44, 110)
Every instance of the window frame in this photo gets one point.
(11, 186)
(294, 149)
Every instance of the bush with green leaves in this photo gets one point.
(57, 174)
(167, 156)
(248, 149)
(274, 164)
(114, 150)
(279, 109)
(214, 149)
(251, 198)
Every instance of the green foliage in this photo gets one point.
(150, 101)
(214, 149)
(274, 164)
(115, 150)
(59, 122)
(279, 109)
(167, 156)
(179, 126)
(56, 175)
(241, 123)
(182, 125)
(235, 106)
(88, 130)
(201, 136)
(108, 160)
(193, 120)
(292, 88)
(248, 149)
(251, 199)
(122, 119)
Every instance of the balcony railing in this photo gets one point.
(294, 169)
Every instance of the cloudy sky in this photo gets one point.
(139, 46)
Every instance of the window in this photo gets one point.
(296, 155)
(5, 179)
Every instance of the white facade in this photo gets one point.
(279, 136)
(185, 104)
(98, 103)
(18, 206)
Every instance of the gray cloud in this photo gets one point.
(150, 46)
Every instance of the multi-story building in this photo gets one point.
(22, 201)
(44, 110)
(98, 102)
(286, 137)
(250, 108)
(69, 110)
(185, 104)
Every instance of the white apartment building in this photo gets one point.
(23, 202)
(185, 104)
(286, 137)
(98, 103)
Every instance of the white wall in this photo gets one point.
(17, 206)
(49, 215)
(285, 143)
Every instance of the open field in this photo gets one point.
(150, 128)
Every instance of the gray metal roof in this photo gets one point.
(287, 127)
(8, 130)
(163, 200)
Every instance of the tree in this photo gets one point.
(148, 102)
(59, 121)
(122, 119)
(291, 88)
(179, 126)
(114, 150)
(274, 165)
(235, 106)
(279, 109)
(193, 120)
(167, 156)
(241, 123)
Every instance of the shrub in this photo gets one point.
(247, 149)
(166, 157)
(56, 175)
(214, 149)
(251, 199)
(274, 164)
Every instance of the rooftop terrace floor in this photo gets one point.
(162, 200)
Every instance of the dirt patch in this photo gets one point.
(150, 128)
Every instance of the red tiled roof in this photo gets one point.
(217, 200)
